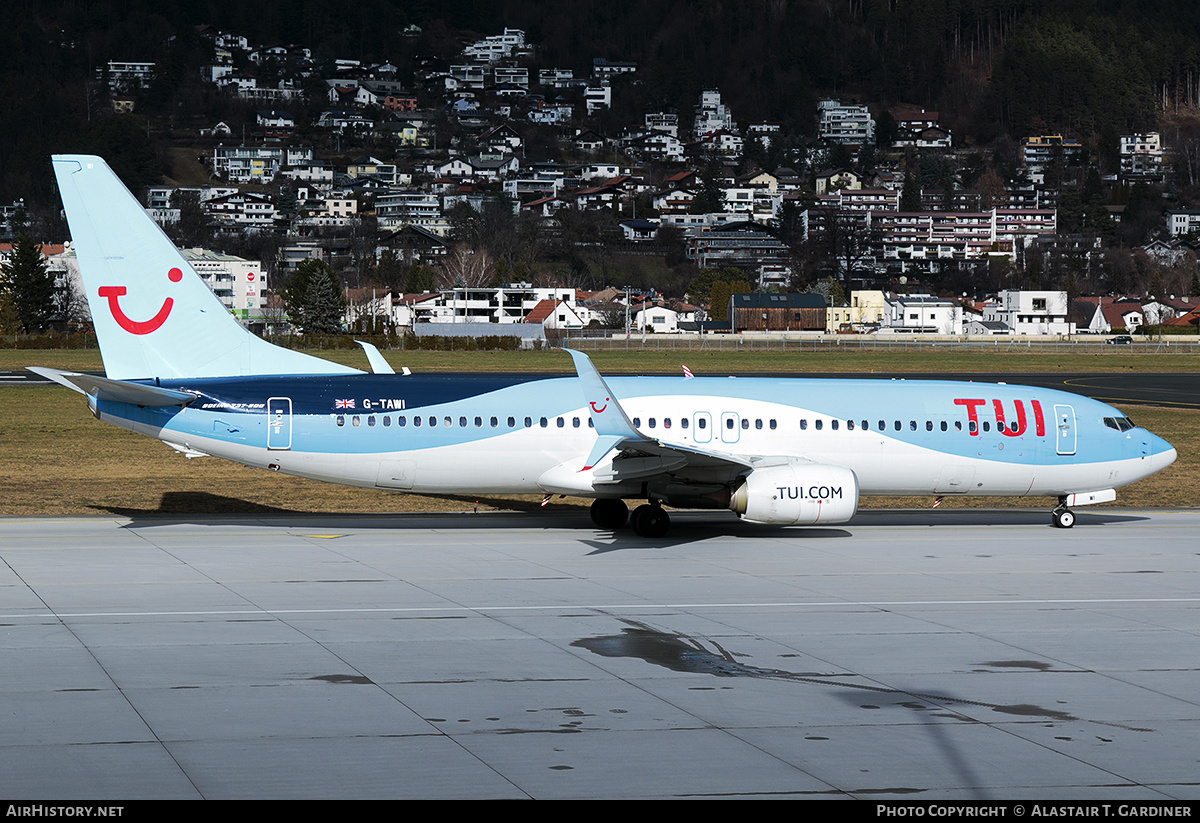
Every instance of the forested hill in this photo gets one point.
(1090, 68)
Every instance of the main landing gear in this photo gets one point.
(609, 514)
(648, 520)
(1062, 517)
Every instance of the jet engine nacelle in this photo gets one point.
(797, 495)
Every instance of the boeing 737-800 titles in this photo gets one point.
(180, 369)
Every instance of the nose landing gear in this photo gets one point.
(1062, 517)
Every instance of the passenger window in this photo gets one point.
(574, 422)
(495, 421)
(833, 424)
(479, 422)
(560, 422)
(850, 425)
(432, 421)
(683, 423)
(371, 421)
(928, 425)
(702, 423)
(512, 422)
(883, 425)
(462, 421)
(773, 424)
(958, 425)
(448, 422)
(653, 422)
(758, 423)
(745, 423)
(944, 425)
(528, 422)
(987, 427)
(817, 424)
(897, 425)
(355, 421)
(402, 421)
(543, 422)
(803, 424)
(637, 421)
(729, 422)
(912, 425)
(666, 422)
(341, 419)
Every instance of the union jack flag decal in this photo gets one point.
(343, 404)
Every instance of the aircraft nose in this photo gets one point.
(1164, 458)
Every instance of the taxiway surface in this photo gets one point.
(964, 654)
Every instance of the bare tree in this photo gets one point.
(465, 266)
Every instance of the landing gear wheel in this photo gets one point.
(1063, 518)
(609, 514)
(650, 521)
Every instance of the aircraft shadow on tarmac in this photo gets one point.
(687, 527)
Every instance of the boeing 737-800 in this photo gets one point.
(179, 368)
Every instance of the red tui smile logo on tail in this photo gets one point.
(113, 293)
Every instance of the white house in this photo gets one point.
(1031, 312)
(922, 314)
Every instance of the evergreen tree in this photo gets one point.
(30, 286)
(313, 298)
(730, 281)
(910, 195)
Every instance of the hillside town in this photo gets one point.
(496, 190)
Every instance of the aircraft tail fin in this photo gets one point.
(154, 316)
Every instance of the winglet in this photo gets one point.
(607, 415)
(613, 426)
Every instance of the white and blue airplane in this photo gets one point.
(180, 369)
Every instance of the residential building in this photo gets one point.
(768, 311)
(745, 245)
(240, 284)
(1039, 152)
(713, 115)
(922, 314)
(243, 209)
(124, 76)
(415, 208)
(1031, 312)
(667, 122)
(864, 313)
(846, 123)
(1141, 156)
(498, 46)
(509, 303)
(605, 70)
(1181, 222)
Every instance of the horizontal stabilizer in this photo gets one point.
(102, 388)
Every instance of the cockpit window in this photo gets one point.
(1121, 424)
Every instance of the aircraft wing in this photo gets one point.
(638, 456)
